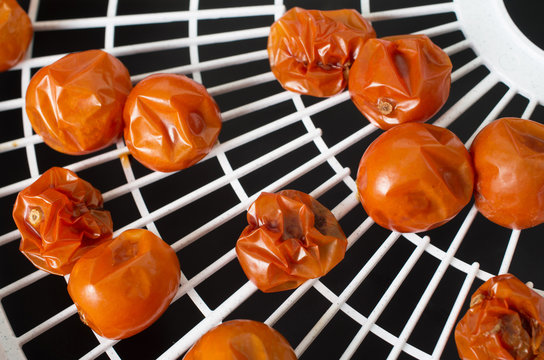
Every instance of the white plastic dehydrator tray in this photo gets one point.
(394, 295)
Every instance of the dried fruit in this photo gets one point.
(290, 238)
(311, 51)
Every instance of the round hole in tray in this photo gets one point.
(527, 15)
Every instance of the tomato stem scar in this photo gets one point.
(346, 71)
(385, 107)
(35, 217)
(82, 317)
(495, 329)
(477, 299)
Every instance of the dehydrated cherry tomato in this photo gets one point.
(400, 79)
(122, 286)
(171, 122)
(290, 238)
(76, 103)
(15, 33)
(311, 51)
(505, 321)
(509, 163)
(60, 218)
(415, 177)
(241, 339)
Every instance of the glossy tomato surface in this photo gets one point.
(15, 33)
(290, 238)
(241, 340)
(122, 286)
(415, 177)
(60, 217)
(311, 51)
(400, 79)
(76, 103)
(509, 163)
(505, 321)
(171, 122)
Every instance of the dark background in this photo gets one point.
(484, 243)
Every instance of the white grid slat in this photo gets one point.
(157, 18)
(385, 299)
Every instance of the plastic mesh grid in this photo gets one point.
(394, 295)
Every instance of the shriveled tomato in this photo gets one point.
(171, 122)
(290, 238)
(505, 321)
(241, 340)
(415, 177)
(76, 103)
(122, 286)
(60, 217)
(509, 163)
(400, 79)
(311, 51)
(15, 33)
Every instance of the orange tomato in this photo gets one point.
(171, 122)
(505, 321)
(76, 103)
(15, 33)
(241, 339)
(311, 51)
(509, 163)
(60, 218)
(290, 238)
(400, 79)
(122, 286)
(415, 177)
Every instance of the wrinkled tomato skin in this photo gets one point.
(76, 103)
(311, 51)
(509, 162)
(505, 321)
(241, 340)
(415, 177)
(290, 238)
(15, 33)
(122, 286)
(171, 122)
(60, 218)
(400, 79)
